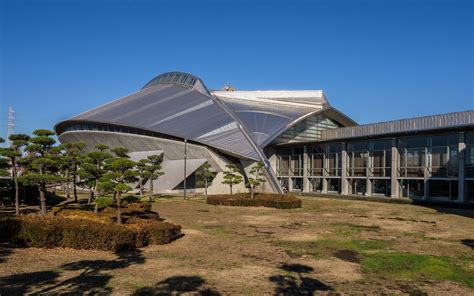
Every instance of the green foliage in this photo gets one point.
(4, 165)
(104, 201)
(415, 266)
(102, 147)
(42, 164)
(121, 152)
(231, 176)
(256, 176)
(132, 199)
(53, 232)
(205, 176)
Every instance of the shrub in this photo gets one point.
(51, 232)
(279, 201)
(161, 233)
(104, 201)
(131, 198)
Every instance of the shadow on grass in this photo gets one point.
(466, 242)
(297, 283)
(178, 285)
(91, 279)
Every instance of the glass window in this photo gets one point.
(334, 185)
(469, 189)
(316, 184)
(297, 184)
(381, 187)
(444, 189)
(316, 164)
(412, 188)
(283, 165)
(359, 186)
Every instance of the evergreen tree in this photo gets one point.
(154, 167)
(42, 164)
(143, 173)
(14, 153)
(256, 177)
(4, 165)
(72, 157)
(206, 176)
(120, 173)
(231, 176)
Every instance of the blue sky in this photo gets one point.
(375, 60)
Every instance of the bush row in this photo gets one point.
(51, 232)
(279, 201)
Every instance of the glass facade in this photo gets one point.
(427, 167)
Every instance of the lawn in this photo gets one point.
(326, 246)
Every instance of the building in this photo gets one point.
(305, 143)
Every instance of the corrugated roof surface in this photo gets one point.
(175, 110)
(265, 119)
(432, 122)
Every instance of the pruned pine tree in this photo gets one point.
(14, 153)
(154, 168)
(72, 158)
(256, 177)
(120, 173)
(92, 169)
(143, 174)
(42, 164)
(206, 176)
(232, 176)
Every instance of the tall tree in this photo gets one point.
(14, 153)
(231, 176)
(256, 177)
(154, 168)
(43, 164)
(72, 156)
(206, 176)
(120, 173)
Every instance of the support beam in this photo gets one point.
(395, 187)
(344, 167)
(461, 167)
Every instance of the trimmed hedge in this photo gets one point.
(52, 232)
(279, 201)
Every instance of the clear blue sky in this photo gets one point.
(376, 60)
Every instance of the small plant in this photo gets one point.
(206, 176)
(256, 177)
(231, 176)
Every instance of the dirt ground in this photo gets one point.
(328, 247)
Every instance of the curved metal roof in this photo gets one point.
(238, 122)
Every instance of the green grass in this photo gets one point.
(326, 247)
(416, 267)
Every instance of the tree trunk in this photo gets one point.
(42, 192)
(205, 188)
(115, 197)
(252, 190)
(74, 180)
(119, 210)
(91, 196)
(68, 191)
(230, 189)
(151, 189)
(96, 208)
(17, 187)
(141, 186)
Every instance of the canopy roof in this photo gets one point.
(238, 122)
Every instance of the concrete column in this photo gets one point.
(461, 167)
(426, 175)
(344, 166)
(325, 180)
(395, 187)
(305, 169)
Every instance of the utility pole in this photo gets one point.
(11, 123)
(184, 182)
